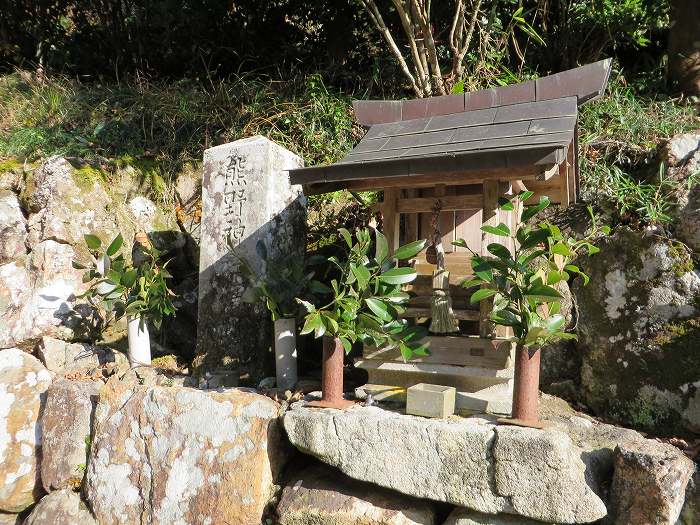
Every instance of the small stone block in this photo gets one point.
(429, 400)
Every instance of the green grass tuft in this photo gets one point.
(158, 126)
(619, 138)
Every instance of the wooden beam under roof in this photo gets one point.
(429, 180)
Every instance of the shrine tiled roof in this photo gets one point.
(586, 83)
(526, 125)
(527, 134)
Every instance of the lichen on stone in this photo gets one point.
(640, 348)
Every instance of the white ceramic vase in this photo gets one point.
(139, 342)
(285, 353)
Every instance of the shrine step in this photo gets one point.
(463, 378)
(459, 351)
(497, 400)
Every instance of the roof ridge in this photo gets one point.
(586, 83)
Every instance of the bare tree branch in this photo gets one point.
(420, 42)
(460, 43)
(424, 70)
(423, 11)
(422, 75)
(376, 16)
(455, 38)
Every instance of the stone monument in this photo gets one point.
(246, 197)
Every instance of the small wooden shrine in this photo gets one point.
(458, 154)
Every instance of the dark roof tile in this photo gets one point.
(514, 135)
(586, 83)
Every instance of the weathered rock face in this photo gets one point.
(626, 467)
(688, 229)
(461, 516)
(62, 507)
(468, 462)
(13, 227)
(690, 514)
(649, 484)
(166, 455)
(66, 203)
(38, 286)
(67, 424)
(681, 156)
(11, 173)
(61, 357)
(678, 150)
(597, 440)
(322, 495)
(542, 475)
(39, 292)
(10, 519)
(246, 198)
(15, 294)
(23, 383)
(639, 328)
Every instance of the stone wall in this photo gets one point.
(44, 214)
(130, 445)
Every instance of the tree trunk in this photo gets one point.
(684, 46)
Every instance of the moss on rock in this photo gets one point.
(86, 176)
(639, 330)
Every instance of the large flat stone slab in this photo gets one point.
(467, 462)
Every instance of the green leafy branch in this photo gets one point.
(366, 300)
(280, 281)
(522, 283)
(119, 288)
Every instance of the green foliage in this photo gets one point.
(642, 203)
(367, 297)
(280, 281)
(620, 134)
(582, 31)
(157, 127)
(625, 125)
(329, 211)
(647, 415)
(9, 165)
(120, 289)
(85, 176)
(172, 37)
(522, 284)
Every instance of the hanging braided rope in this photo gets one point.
(443, 319)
